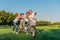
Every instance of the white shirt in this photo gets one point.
(16, 20)
(31, 17)
(26, 19)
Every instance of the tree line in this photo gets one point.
(6, 18)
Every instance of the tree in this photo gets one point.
(43, 23)
(6, 18)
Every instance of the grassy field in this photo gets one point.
(43, 33)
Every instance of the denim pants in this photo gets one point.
(15, 27)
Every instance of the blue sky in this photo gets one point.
(46, 9)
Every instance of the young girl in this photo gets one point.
(26, 22)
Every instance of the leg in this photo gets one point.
(34, 31)
(14, 26)
(21, 24)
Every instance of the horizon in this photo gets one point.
(47, 10)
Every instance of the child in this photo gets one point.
(21, 21)
(26, 22)
(27, 17)
(15, 25)
(33, 22)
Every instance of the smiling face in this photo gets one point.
(22, 14)
(18, 15)
(30, 12)
(27, 14)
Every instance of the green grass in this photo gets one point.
(43, 33)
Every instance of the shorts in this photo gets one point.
(33, 22)
(26, 24)
(22, 19)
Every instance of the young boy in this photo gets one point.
(15, 23)
(21, 21)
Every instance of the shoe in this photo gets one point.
(16, 32)
(19, 30)
(25, 28)
(13, 31)
(27, 32)
(33, 34)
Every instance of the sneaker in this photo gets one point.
(27, 32)
(16, 32)
(33, 34)
(13, 31)
(25, 28)
(19, 30)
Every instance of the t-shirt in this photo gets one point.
(16, 20)
(32, 17)
(26, 18)
(22, 16)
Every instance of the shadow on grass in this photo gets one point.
(53, 34)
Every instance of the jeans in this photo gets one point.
(15, 27)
